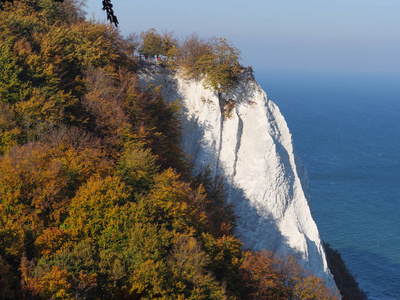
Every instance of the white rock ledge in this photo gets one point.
(253, 150)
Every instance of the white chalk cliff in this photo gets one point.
(253, 150)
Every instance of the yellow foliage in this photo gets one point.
(95, 205)
(175, 204)
(37, 181)
(147, 279)
(137, 167)
(188, 263)
(49, 284)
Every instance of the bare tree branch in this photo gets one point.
(108, 7)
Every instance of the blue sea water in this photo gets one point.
(346, 130)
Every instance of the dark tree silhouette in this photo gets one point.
(108, 7)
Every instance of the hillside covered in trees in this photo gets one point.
(97, 199)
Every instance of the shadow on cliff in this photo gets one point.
(256, 227)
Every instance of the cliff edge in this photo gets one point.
(244, 137)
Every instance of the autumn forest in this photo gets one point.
(97, 199)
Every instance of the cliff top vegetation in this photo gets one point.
(215, 60)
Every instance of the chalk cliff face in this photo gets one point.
(251, 146)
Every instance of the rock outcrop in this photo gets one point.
(244, 137)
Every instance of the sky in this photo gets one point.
(335, 36)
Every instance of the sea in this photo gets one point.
(346, 130)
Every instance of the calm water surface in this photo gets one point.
(347, 133)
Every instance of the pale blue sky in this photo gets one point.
(350, 36)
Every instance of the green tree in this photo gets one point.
(189, 275)
(174, 204)
(221, 67)
(137, 167)
(12, 88)
(217, 61)
(95, 205)
(152, 44)
(69, 274)
(169, 44)
(9, 131)
(226, 257)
